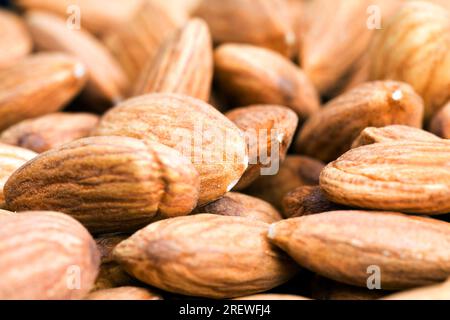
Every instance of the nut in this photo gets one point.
(124, 293)
(436, 292)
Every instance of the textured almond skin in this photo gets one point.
(440, 125)
(15, 41)
(252, 75)
(99, 16)
(11, 158)
(124, 293)
(183, 65)
(107, 80)
(341, 245)
(164, 117)
(373, 104)
(403, 176)
(49, 131)
(241, 205)
(276, 124)
(263, 23)
(138, 43)
(38, 85)
(45, 256)
(436, 292)
(414, 47)
(110, 184)
(294, 172)
(392, 133)
(205, 255)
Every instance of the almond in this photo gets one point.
(342, 245)
(440, 124)
(184, 64)
(15, 41)
(124, 293)
(373, 104)
(269, 131)
(214, 144)
(435, 292)
(45, 255)
(107, 80)
(262, 23)
(405, 176)
(253, 75)
(110, 184)
(49, 131)
(206, 256)
(38, 85)
(273, 296)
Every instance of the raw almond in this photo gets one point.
(49, 131)
(38, 85)
(331, 132)
(405, 176)
(252, 75)
(206, 256)
(440, 124)
(214, 144)
(45, 256)
(110, 184)
(342, 245)
(124, 293)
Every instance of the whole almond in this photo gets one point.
(405, 176)
(38, 85)
(124, 293)
(252, 75)
(214, 144)
(241, 205)
(206, 256)
(49, 131)
(110, 184)
(373, 104)
(262, 23)
(414, 48)
(269, 131)
(45, 255)
(11, 158)
(342, 245)
(440, 124)
(435, 292)
(15, 41)
(392, 133)
(183, 65)
(107, 80)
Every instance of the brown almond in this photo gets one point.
(405, 176)
(45, 256)
(214, 144)
(183, 65)
(269, 132)
(124, 293)
(205, 255)
(49, 131)
(345, 245)
(38, 85)
(110, 184)
(440, 124)
(252, 75)
(331, 132)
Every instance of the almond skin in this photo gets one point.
(440, 125)
(373, 104)
(241, 205)
(45, 256)
(107, 80)
(269, 296)
(11, 158)
(124, 293)
(405, 176)
(49, 131)
(185, 123)
(183, 65)
(15, 41)
(252, 75)
(436, 292)
(110, 184)
(262, 23)
(392, 133)
(205, 255)
(264, 126)
(414, 47)
(341, 245)
(38, 85)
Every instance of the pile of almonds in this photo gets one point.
(248, 149)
